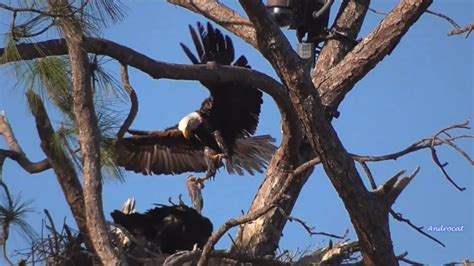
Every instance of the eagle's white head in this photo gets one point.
(189, 123)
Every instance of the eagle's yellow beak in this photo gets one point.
(186, 134)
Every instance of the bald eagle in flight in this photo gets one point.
(219, 133)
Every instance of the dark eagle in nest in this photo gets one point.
(221, 129)
(169, 228)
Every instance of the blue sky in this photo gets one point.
(424, 85)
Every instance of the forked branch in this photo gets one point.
(427, 143)
(15, 152)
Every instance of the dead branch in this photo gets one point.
(435, 157)
(275, 201)
(306, 166)
(398, 216)
(457, 30)
(348, 23)
(338, 165)
(377, 12)
(308, 229)
(369, 175)
(403, 257)
(15, 151)
(443, 16)
(222, 15)
(331, 255)
(394, 186)
(221, 258)
(468, 29)
(427, 143)
(226, 227)
(339, 80)
(133, 101)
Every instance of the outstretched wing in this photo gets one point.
(160, 152)
(234, 108)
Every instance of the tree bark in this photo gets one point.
(62, 166)
(89, 137)
(350, 19)
(368, 211)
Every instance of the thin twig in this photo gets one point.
(226, 227)
(369, 174)
(398, 216)
(443, 16)
(309, 229)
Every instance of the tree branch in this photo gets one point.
(468, 29)
(338, 165)
(398, 216)
(62, 166)
(222, 15)
(427, 143)
(221, 258)
(394, 186)
(348, 23)
(159, 70)
(338, 81)
(133, 101)
(306, 227)
(16, 153)
(226, 227)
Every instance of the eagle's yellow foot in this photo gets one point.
(218, 157)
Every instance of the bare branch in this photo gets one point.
(443, 16)
(339, 80)
(133, 101)
(399, 217)
(221, 258)
(395, 215)
(397, 188)
(348, 23)
(16, 153)
(435, 157)
(226, 227)
(308, 229)
(222, 15)
(388, 185)
(331, 255)
(377, 12)
(367, 171)
(430, 143)
(468, 29)
(306, 166)
(403, 257)
(457, 29)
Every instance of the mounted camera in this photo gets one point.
(309, 18)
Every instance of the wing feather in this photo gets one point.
(160, 152)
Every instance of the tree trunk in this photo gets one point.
(89, 138)
(62, 167)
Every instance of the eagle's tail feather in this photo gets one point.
(251, 154)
